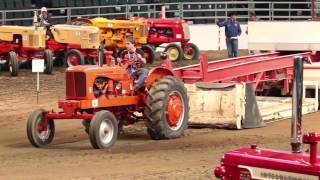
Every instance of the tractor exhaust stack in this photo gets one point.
(100, 55)
(296, 135)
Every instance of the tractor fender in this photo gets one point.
(157, 73)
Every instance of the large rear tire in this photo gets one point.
(149, 53)
(103, 131)
(167, 109)
(38, 134)
(13, 63)
(191, 52)
(73, 58)
(48, 61)
(174, 52)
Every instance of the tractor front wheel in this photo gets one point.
(73, 58)
(174, 52)
(40, 134)
(167, 109)
(48, 61)
(149, 53)
(103, 131)
(13, 63)
(191, 52)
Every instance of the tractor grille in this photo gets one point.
(143, 31)
(186, 30)
(76, 84)
(93, 38)
(34, 41)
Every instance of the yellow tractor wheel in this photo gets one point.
(174, 52)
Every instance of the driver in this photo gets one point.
(136, 65)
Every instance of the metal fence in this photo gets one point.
(194, 12)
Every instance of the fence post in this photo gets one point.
(181, 10)
(4, 17)
(68, 15)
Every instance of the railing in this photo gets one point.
(194, 12)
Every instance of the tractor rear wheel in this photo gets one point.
(167, 109)
(48, 61)
(174, 52)
(13, 63)
(191, 52)
(103, 131)
(149, 53)
(73, 58)
(38, 133)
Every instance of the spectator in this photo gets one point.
(232, 32)
(43, 18)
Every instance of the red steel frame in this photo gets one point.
(23, 53)
(248, 69)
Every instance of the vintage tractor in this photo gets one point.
(104, 98)
(258, 163)
(115, 32)
(176, 34)
(75, 44)
(21, 43)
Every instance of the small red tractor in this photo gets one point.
(162, 104)
(176, 34)
(257, 163)
(21, 43)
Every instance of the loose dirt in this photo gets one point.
(134, 156)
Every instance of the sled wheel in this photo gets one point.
(191, 52)
(174, 52)
(13, 63)
(39, 134)
(167, 109)
(48, 61)
(103, 131)
(74, 57)
(149, 53)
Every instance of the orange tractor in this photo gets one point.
(162, 104)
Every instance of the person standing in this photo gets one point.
(232, 32)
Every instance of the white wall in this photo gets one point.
(207, 37)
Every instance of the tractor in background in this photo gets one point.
(162, 104)
(75, 44)
(115, 32)
(21, 43)
(174, 33)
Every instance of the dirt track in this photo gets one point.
(134, 156)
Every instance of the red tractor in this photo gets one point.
(162, 104)
(21, 43)
(176, 34)
(258, 163)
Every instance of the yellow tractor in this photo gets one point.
(76, 43)
(22, 43)
(115, 32)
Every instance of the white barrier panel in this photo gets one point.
(211, 37)
(284, 35)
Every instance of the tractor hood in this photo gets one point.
(80, 79)
(85, 36)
